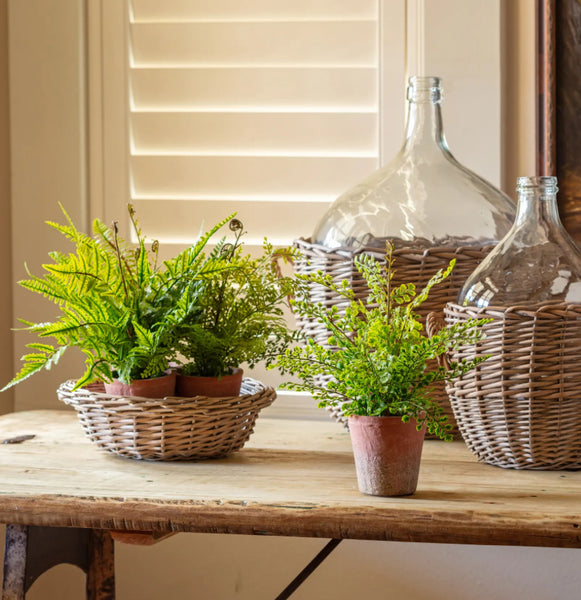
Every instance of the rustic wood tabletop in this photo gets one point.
(293, 478)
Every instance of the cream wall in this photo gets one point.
(518, 102)
(6, 365)
(49, 152)
(48, 147)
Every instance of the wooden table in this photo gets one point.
(293, 478)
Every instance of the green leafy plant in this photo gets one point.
(379, 358)
(116, 303)
(240, 317)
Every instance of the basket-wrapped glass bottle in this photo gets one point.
(520, 408)
(425, 202)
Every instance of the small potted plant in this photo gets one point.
(378, 365)
(118, 306)
(239, 318)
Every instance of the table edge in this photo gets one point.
(293, 520)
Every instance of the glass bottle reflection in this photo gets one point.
(536, 263)
(424, 197)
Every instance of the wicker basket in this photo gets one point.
(521, 408)
(411, 266)
(168, 428)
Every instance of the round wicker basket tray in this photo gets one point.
(521, 408)
(412, 265)
(168, 428)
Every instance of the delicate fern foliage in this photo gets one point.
(116, 304)
(378, 359)
(239, 317)
(131, 316)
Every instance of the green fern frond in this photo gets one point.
(189, 255)
(50, 289)
(44, 359)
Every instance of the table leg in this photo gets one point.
(31, 550)
(292, 587)
(101, 567)
(13, 587)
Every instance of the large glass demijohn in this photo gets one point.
(424, 197)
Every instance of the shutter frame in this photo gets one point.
(345, 132)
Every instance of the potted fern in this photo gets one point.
(379, 368)
(118, 306)
(239, 318)
(137, 319)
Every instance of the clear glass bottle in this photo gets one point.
(536, 263)
(424, 197)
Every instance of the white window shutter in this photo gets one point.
(266, 107)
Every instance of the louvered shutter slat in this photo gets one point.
(254, 88)
(245, 176)
(256, 132)
(340, 43)
(188, 218)
(174, 10)
(269, 108)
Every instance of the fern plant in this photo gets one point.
(378, 355)
(240, 317)
(117, 305)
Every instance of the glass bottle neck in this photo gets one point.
(537, 220)
(424, 126)
(537, 209)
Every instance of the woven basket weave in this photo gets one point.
(168, 428)
(412, 265)
(521, 408)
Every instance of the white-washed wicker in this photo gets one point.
(168, 428)
(521, 408)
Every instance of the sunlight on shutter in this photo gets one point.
(267, 107)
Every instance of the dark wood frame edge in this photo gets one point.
(546, 87)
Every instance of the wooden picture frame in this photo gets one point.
(559, 103)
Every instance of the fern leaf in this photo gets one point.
(52, 290)
(35, 362)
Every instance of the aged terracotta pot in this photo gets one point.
(189, 386)
(387, 454)
(158, 387)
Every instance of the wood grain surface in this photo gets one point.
(294, 478)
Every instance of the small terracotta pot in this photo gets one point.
(189, 386)
(158, 387)
(387, 454)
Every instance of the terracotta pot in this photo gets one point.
(189, 386)
(387, 454)
(158, 387)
